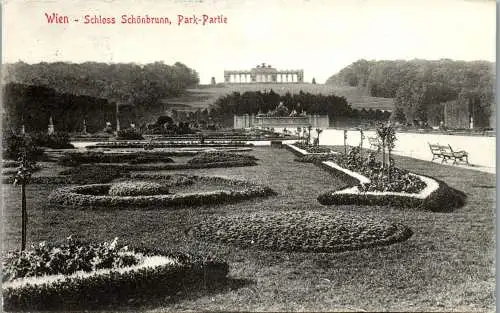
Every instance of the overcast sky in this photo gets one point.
(319, 36)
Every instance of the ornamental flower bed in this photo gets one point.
(315, 158)
(76, 158)
(300, 231)
(219, 156)
(163, 144)
(403, 189)
(76, 275)
(137, 188)
(311, 148)
(97, 196)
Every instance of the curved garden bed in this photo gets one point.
(97, 195)
(300, 231)
(47, 284)
(406, 189)
(435, 195)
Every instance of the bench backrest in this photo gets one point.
(435, 148)
(446, 149)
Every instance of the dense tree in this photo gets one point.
(421, 86)
(136, 88)
(253, 102)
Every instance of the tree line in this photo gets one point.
(421, 88)
(136, 88)
(255, 102)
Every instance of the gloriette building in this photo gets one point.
(263, 74)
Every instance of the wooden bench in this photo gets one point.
(436, 152)
(374, 143)
(449, 154)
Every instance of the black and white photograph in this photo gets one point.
(248, 155)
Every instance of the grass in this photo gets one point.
(447, 265)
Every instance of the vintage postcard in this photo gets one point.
(248, 155)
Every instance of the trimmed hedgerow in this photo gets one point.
(91, 196)
(99, 289)
(311, 148)
(219, 156)
(300, 231)
(444, 199)
(140, 144)
(315, 158)
(183, 166)
(137, 188)
(77, 158)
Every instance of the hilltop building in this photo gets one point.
(263, 74)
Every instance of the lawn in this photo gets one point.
(447, 265)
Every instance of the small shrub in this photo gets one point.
(137, 188)
(13, 144)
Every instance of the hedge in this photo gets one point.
(315, 158)
(220, 156)
(184, 166)
(102, 174)
(76, 158)
(95, 196)
(142, 144)
(300, 231)
(117, 288)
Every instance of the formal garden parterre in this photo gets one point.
(272, 233)
(150, 194)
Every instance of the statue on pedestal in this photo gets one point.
(51, 130)
(84, 131)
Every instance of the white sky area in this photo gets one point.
(319, 36)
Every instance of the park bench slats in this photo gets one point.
(446, 153)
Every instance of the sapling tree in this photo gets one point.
(24, 172)
(345, 141)
(362, 137)
(382, 135)
(309, 128)
(391, 144)
(318, 131)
